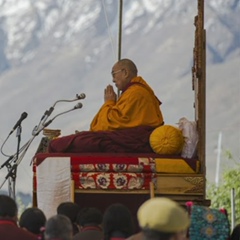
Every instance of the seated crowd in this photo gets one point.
(159, 218)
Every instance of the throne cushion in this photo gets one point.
(166, 139)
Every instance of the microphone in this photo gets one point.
(79, 105)
(18, 123)
(49, 112)
(80, 96)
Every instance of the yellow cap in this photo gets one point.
(163, 215)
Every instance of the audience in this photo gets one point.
(162, 219)
(58, 227)
(117, 222)
(33, 220)
(235, 233)
(89, 221)
(70, 210)
(159, 218)
(9, 229)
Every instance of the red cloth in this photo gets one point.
(98, 180)
(121, 141)
(10, 231)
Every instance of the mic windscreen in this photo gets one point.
(81, 96)
(79, 105)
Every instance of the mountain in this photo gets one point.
(53, 50)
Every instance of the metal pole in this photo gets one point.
(218, 158)
(120, 7)
(232, 208)
(120, 29)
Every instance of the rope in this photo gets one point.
(108, 27)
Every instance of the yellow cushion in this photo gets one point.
(166, 139)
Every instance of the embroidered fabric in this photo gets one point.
(207, 223)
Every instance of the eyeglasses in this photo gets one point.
(113, 73)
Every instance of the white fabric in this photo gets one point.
(53, 184)
(190, 134)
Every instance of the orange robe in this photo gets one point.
(137, 106)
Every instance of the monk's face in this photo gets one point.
(120, 76)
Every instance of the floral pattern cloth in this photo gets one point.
(207, 223)
(96, 180)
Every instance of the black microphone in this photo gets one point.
(23, 116)
(80, 96)
(79, 105)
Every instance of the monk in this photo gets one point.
(121, 125)
(136, 106)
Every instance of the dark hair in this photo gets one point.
(8, 207)
(58, 227)
(69, 209)
(235, 233)
(150, 234)
(89, 216)
(33, 219)
(117, 218)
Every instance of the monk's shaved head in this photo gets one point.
(130, 65)
(123, 71)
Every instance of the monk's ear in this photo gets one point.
(126, 72)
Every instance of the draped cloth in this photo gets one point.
(53, 174)
(137, 106)
(132, 140)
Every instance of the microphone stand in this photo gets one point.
(12, 170)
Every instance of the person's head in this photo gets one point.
(89, 216)
(58, 227)
(235, 233)
(117, 218)
(163, 219)
(8, 208)
(32, 219)
(69, 209)
(123, 72)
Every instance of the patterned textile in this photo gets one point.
(123, 164)
(134, 162)
(112, 168)
(96, 180)
(119, 171)
(208, 224)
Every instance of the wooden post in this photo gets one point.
(152, 193)
(199, 85)
(72, 191)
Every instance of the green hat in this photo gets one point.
(163, 215)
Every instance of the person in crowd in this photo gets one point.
(137, 236)
(163, 219)
(58, 227)
(71, 210)
(137, 105)
(9, 229)
(33, 220)
(235, 235)
(89, 221)
(117, 222)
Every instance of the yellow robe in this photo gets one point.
(137, 106)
